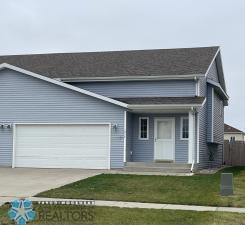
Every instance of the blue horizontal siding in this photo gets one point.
(206, 118)
(213, 73)
(210, 114)
(129, 136)
(143, 150)
(166, 88)
(27, 99)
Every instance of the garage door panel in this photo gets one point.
(61, 130)
(63, 140)
(62, 163)
(62, 146)
(93, 151)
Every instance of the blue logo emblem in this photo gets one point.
(21, 211)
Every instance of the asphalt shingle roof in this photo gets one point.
(161, 100)
(181, 61)
(228, 129)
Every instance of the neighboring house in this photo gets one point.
(100, 110)
(232, 133)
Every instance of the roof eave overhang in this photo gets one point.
(165, 106)
(132, 78)
(238, 132)
(219, 89)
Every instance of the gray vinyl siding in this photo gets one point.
(129, 136)
(206, 118)
(218, 132)
(27, 99)
(143, 150)
(166, 88)
(203, 86)
(210, 114)
(213, 73)
(215, 109)
(203, 147)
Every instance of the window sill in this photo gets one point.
(184, 139)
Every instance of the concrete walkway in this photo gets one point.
(144, 205)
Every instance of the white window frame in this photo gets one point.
(181, 128)
(147, 133)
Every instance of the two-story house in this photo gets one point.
(103, 110)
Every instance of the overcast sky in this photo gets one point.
(42, 26)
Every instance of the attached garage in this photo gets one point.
(45, 123)
(84, 146)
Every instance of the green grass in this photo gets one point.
(124, 216)
(193, 190)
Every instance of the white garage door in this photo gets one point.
(62, 146)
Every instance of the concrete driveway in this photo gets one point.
(26, 182)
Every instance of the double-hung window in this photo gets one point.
(144, 128)
(184, 128)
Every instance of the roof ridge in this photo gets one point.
(110, 51)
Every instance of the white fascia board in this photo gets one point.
(59, 83)
(212, 61)
(132, 78)
(164, 106)
(125, 138)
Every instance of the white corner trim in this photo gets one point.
(198, 136)
(147, 118)
(125, 138)
(191, 142)
(212, 116)
(109, 152)
(211, 63)
(204, 102)
(68, 86)
(13, 154)
(198, 87)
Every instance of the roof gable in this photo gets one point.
(71, 87)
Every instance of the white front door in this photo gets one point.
(164, 138)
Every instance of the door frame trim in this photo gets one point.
(14, 125)
(155, 134)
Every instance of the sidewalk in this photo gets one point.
(140, 205)
(146, 205)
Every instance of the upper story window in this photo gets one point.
(184, 128)
(144, 128)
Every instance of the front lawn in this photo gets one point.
(124, 216)
(193, 190)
